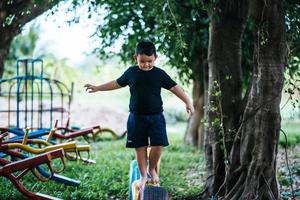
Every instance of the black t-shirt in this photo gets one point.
(145, 88)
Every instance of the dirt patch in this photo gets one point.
(284, 171)
(85, 115)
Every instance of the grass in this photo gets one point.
(180, 173)
(292, 130)
(108, 178)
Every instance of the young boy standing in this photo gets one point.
(146, 123)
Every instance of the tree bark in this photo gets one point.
(194, 134)
(252, 171)
(4, 49)
(13, 16)
(224, 89)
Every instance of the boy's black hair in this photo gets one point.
(145, 47)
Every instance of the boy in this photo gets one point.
(146, 120)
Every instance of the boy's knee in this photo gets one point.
(156, 148)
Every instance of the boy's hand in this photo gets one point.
(90, 88)
(190, 108)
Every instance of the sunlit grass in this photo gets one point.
(292, 130)
(109, 177)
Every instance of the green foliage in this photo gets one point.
(292, 82)
(283, 180)
(16, 14)
(292, 22)
(108, 178)
(292, 75)
(214, 110)
(22, 46)
(60, 69)
(292, 131)
(178, 28)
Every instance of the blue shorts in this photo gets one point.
(145, 130)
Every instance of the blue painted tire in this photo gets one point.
(134, 174)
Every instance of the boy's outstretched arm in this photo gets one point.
(178, 91)
(112, 85)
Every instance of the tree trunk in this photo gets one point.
(4, 49)
(252, 171)
(224, 89)
(194, 134)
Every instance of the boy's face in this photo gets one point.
(145, 62)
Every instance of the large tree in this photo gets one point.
(252, 170)
(228, 20)
(13, 16)
(241, 141)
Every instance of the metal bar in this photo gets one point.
(46, 110)
(70, 146)
(9, 96)
(51, 101)
(31, 162)
(18, 95)
(26, 95)
(62, 102)
(58, 178)
(32, 90)
(36, 93)
(74, 134)
(41, 100)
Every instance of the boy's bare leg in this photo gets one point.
(141, 157)
(154, 156)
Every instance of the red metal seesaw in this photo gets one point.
(41, 170)
(17, 154)
(3, 135)
(27, 165)
(73, 134)
(68, 133)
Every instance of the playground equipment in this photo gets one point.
(90, 133)
(55, 177)
(6, 146)
(151, 191)
(67, 133)
(68, 147)
(114, 135)
(22, 144)
(34, 97)
(34, 101)
(38, 102)
(24, 166)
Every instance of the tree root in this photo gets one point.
(238, 186)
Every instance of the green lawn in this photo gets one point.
(108, 178)
(182, 170)
(292, 130)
